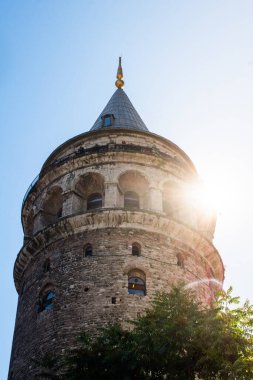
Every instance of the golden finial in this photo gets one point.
(119, 82)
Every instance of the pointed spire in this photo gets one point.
(119, 111)
(121, 114)
(119, 82)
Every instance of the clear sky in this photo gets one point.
(188, 69)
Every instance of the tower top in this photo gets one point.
(119, 82)
(119, 111)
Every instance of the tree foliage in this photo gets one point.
(176, 339)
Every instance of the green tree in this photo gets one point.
(176, 339)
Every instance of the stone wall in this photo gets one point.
(84, 287)
(88, 292)
(159, 172)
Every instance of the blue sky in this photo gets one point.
(188, 69)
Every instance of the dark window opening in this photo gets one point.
(136, 286)
(52, 206)
(59, 213)
(136, 249)
(88, 250)
(113, 300)
(94, 201)
(46, 266)
(131, 200)
(180, 261)
(107, 120)
(46, 301)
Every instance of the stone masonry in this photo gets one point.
(97, 196)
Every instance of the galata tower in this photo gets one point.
(107, 223)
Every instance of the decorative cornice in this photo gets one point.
(117, 218)
(92, 135)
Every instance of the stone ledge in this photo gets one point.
(118, 218)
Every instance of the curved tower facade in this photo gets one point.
(107, 223)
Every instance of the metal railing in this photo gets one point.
(30, 188)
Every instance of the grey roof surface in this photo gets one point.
(124, 113)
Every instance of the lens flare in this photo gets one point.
(200, 197)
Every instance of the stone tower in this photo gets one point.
(106, 224)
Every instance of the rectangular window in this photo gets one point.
(107, 120)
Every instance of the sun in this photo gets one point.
(218, 189)
(201, 197)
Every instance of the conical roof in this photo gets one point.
(121, 114)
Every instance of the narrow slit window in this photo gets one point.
(46, 266)
(136, 249)
(59, 213)
(180, 260)
(88, 250)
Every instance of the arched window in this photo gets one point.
(52, 206)
(136, 283)
(136, 249)
(88, 192)
(173, 199)
(88, 250)
(167, 207)
(135, 189)
(46, 300)
(131, 200)
(94, 201)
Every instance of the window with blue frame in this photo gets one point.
(107, 120)
(46, 300)
(136, 283)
